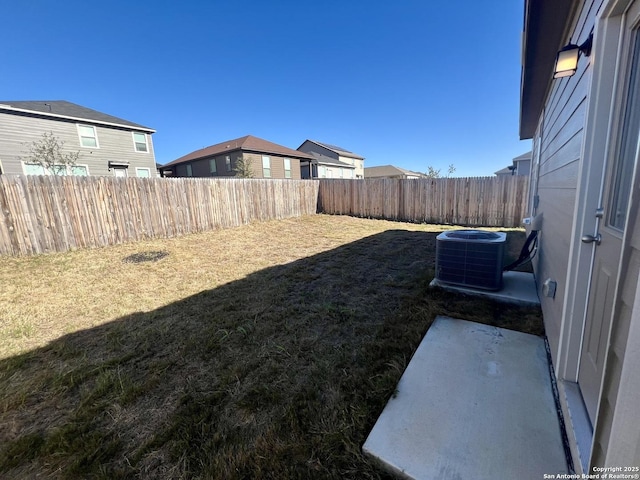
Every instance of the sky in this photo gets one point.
(410, 83)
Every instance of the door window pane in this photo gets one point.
(628, 151)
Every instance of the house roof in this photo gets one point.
(324, 160)
(68, 110)
(248, 143)
(339, 150)
(389, 171)
(505, 171)
(524, 156)
(544, 35)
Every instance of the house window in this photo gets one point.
(33, 169)
(213, 169)
(88, 136)
(266, 166)
(59, 170)
(227, 162)
(120, 172)
(189, 170)
(323, 172)
(287, 168)
(80, 170)
(143, 172)
(62, 170)
(140, 142)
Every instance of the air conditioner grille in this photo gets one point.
(471, 258)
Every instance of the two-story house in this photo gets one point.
(259, 159)
(107, 145)
(345, 159)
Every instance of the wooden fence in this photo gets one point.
(54, 213)
(499, 201)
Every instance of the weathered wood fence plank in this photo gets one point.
(482, 201)
(51, 214)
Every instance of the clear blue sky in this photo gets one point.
(411, 83)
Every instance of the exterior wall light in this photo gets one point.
(567, 59)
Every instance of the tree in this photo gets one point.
(48, 153)
(433, 173)
(243, 168)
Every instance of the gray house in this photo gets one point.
(337, 153)
(108, 145)
(521, 165)
(322, 166)
(585, 197)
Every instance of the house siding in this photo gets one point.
(18, 131)
(559, 143)
(201, 167)
(560, 138)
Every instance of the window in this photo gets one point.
(33, 169)
(227, 162)
(189, 170)
(140, 142)
(143, 172)
(287, 168)
(323, 172)
(80, 170)
(213, 169)
(120, 172)
(266, 166)
(88, 136)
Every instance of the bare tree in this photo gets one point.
(48, 153)
(243, 167)
(433, 173)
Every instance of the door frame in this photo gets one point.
(601, 127)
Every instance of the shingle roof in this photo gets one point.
(324, 160)
(388, 171)
(248, 143)
(64, 109)
(524, 156)
(339, 150)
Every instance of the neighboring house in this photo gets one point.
(521, 165)
(108, 145)
(337, 153)
(266, 160)
(585, 196)
(389, 171)
(326, 167)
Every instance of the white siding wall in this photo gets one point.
(18, 131)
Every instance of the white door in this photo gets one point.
(612, 214)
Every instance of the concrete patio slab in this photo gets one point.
(475, 402)
(517, 287)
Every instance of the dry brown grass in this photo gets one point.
(265, 351)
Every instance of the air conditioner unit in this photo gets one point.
(470, 258)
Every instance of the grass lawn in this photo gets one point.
(264, 351)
